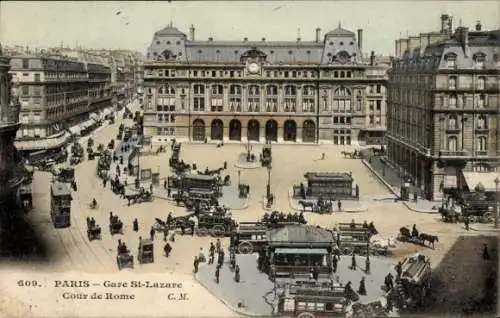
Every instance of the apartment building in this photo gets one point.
(59, 96)
(286, 91)
(443, 111)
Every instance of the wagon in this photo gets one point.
(125, 259)
(94, 233)
(216, 225)
(145, 253)
(115, 226)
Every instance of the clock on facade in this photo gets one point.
(253, 68)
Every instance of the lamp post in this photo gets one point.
(497, 212)
(268, 188)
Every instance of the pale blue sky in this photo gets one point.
(96, 25)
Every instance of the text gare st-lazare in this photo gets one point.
(118, 285)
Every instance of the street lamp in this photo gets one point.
(268, 192)
(497, 181)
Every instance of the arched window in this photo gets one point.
(342, 91)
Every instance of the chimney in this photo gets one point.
(444, 23)
(210, 39)
(360, 40)
(464, 39)
(299, 39)
(372, 58)
(263, 39)
(245, 39)
(191, 32)
(318, 35)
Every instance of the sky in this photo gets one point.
(96, 25)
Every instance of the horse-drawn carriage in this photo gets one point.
(179, 222)
(250, 237)
(352, 154)
(321, 206)
(413, 236)
(140, 197)
(216, 225)
(414, 283)
(266, 157)
(356, 237)
(93, 230)
(26, 196)
(243, 190)
(475, 207)
(145, 253)
(124, 258)
(115, 224)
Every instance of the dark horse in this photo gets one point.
(306, 204)
(428, 238)
(131, 197)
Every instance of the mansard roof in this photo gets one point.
(169, 30)
(339, 31)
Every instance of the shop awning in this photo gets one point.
(486, 179)
(314, 251)
(42, 143)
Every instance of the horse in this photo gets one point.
(306, 204)
(428, 238)
(131, 197)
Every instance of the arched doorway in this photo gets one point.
(198, 130)
(309, 131)
(217, 129)
(272, 130)
(290, 130)
(253, 130)
(235, 130)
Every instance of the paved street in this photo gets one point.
(71, 250)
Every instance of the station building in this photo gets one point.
(285, 91)
(443, 112)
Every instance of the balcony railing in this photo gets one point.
(453, 153)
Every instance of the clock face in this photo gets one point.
(253, 68)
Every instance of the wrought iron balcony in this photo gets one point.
(453, 153)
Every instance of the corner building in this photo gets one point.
(287, 91)
(444, 107)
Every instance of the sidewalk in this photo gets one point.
(391, 179)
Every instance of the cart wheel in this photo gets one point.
(218, 231)
(306, 315)
(245, 248)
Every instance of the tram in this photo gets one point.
(60, 204)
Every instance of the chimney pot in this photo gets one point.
(210, 39)
(263, 39)
(298, 39)
(318, 35)
(245, 39)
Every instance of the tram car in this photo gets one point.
(249, 238)
(60, 204)
(312, 301)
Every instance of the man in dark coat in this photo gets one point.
(167, 249)
(362, 287)
(237, 274)
(353, 261)
(196, 262)
(152, 233)
(399, 269)
(367, 264)
(217, 274)
(486, 254)
(135, 225)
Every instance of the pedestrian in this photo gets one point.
(211, 257)
(334, 263)
(152, 233)
(165, 235)
(151, 188)
(323, 156)
(367, 264)
(104, 183)
(183, 228)
(167, 249)
(315, 273)
(169, 192)
(217, 245)
(399, 269)
(225, 165)
(362, 287)
(486, 254)
(389, 305)
(195, 264)
(353, 261)
(466, 223)
(339, 205)
(165, 183)
(217, 273)
(192, 228)
(237, 274)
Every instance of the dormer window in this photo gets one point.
(479, 59)
(451, 60)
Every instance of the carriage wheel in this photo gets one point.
(488, 217)
(473, 219)
(218, 231)
(306, 315)
(245, 248)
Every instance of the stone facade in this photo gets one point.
(58, 91)
(295, 91)
(444, 107)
